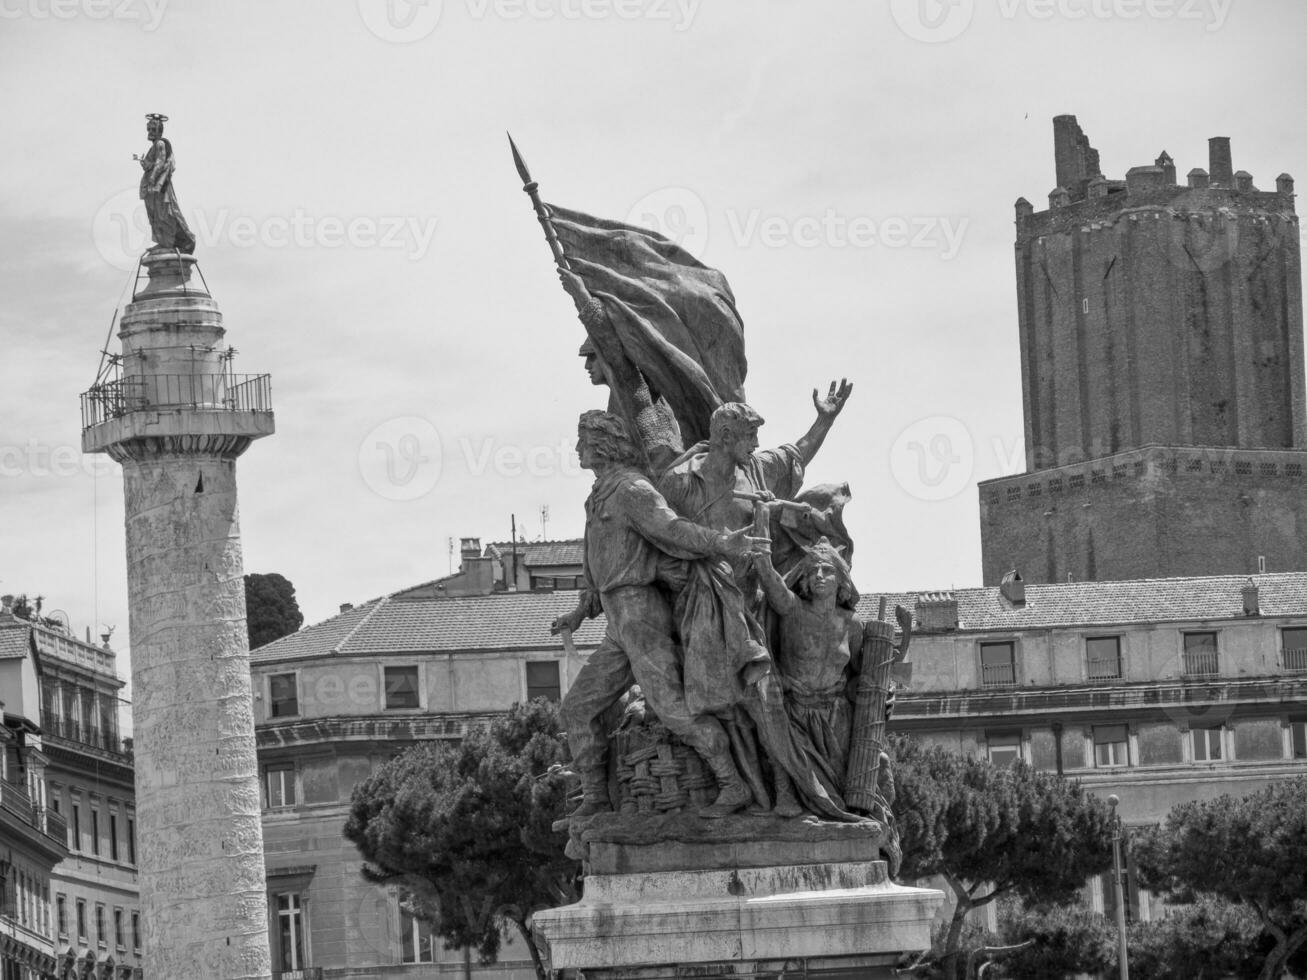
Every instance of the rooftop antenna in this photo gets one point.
(544, 522)
(451, 555)
(513, 536)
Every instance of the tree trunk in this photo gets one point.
(1273, 968)
(952, 960)
(531, 945)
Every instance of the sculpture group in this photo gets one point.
(724, 583)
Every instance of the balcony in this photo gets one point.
(1201, 663)
(1295, 659)
(93, 736)
(998, 675)
(1102, 670)
(14, 800)
(308, 973)
(168, 392)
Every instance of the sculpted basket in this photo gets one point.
(657, 773)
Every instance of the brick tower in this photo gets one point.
(1162, 376)
(176, 418)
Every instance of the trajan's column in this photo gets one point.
(176, 418)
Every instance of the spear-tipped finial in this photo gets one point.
(532, 191)
(519, 162)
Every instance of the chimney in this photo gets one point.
(1218, 161)
(346, 606)
(1251, 607)
(937, 612)
(469, 548)
(1013, 588)
(7, 604)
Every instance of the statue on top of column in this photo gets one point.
(167, 226)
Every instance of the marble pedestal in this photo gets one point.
(777, 898)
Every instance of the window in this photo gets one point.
(290, 932)
(1004, 748)
(1103, 654)
(415, 942)
(113, 836)
(120, 940)
(1298, 738)
(1294, 640)
(99, 925)
(95, 831)
(1129, 891)
(75, 829)
(1200, 654)
(284, 695)
(136, 931)
(998, 664)
(1111, 746)
(1206, 744)
(131, 841)
(542, 680)
(279, 784)
(61, 915)
(402, 687)
(81, 920)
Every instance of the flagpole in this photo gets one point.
(624, 377)
(533, 191)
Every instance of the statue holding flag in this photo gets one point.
(664, 334)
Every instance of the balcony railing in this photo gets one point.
(92, 735)
(1295, 659)
(155, 392)
(14, 799)
(1104, 669)
(1201, 663)
(998, 675)
(308, 973)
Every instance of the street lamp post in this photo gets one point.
(1117, 864)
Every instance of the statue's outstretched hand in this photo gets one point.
(570, 622)
(738, 544)
(833, 403)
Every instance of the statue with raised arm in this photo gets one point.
(629, 533)
(167, 226)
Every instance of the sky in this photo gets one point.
(850, 166)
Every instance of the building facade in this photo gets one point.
(1162, 373)
(89, 783)
(1159, 691)
(79, 785)
(339, 698)
(33, 838)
